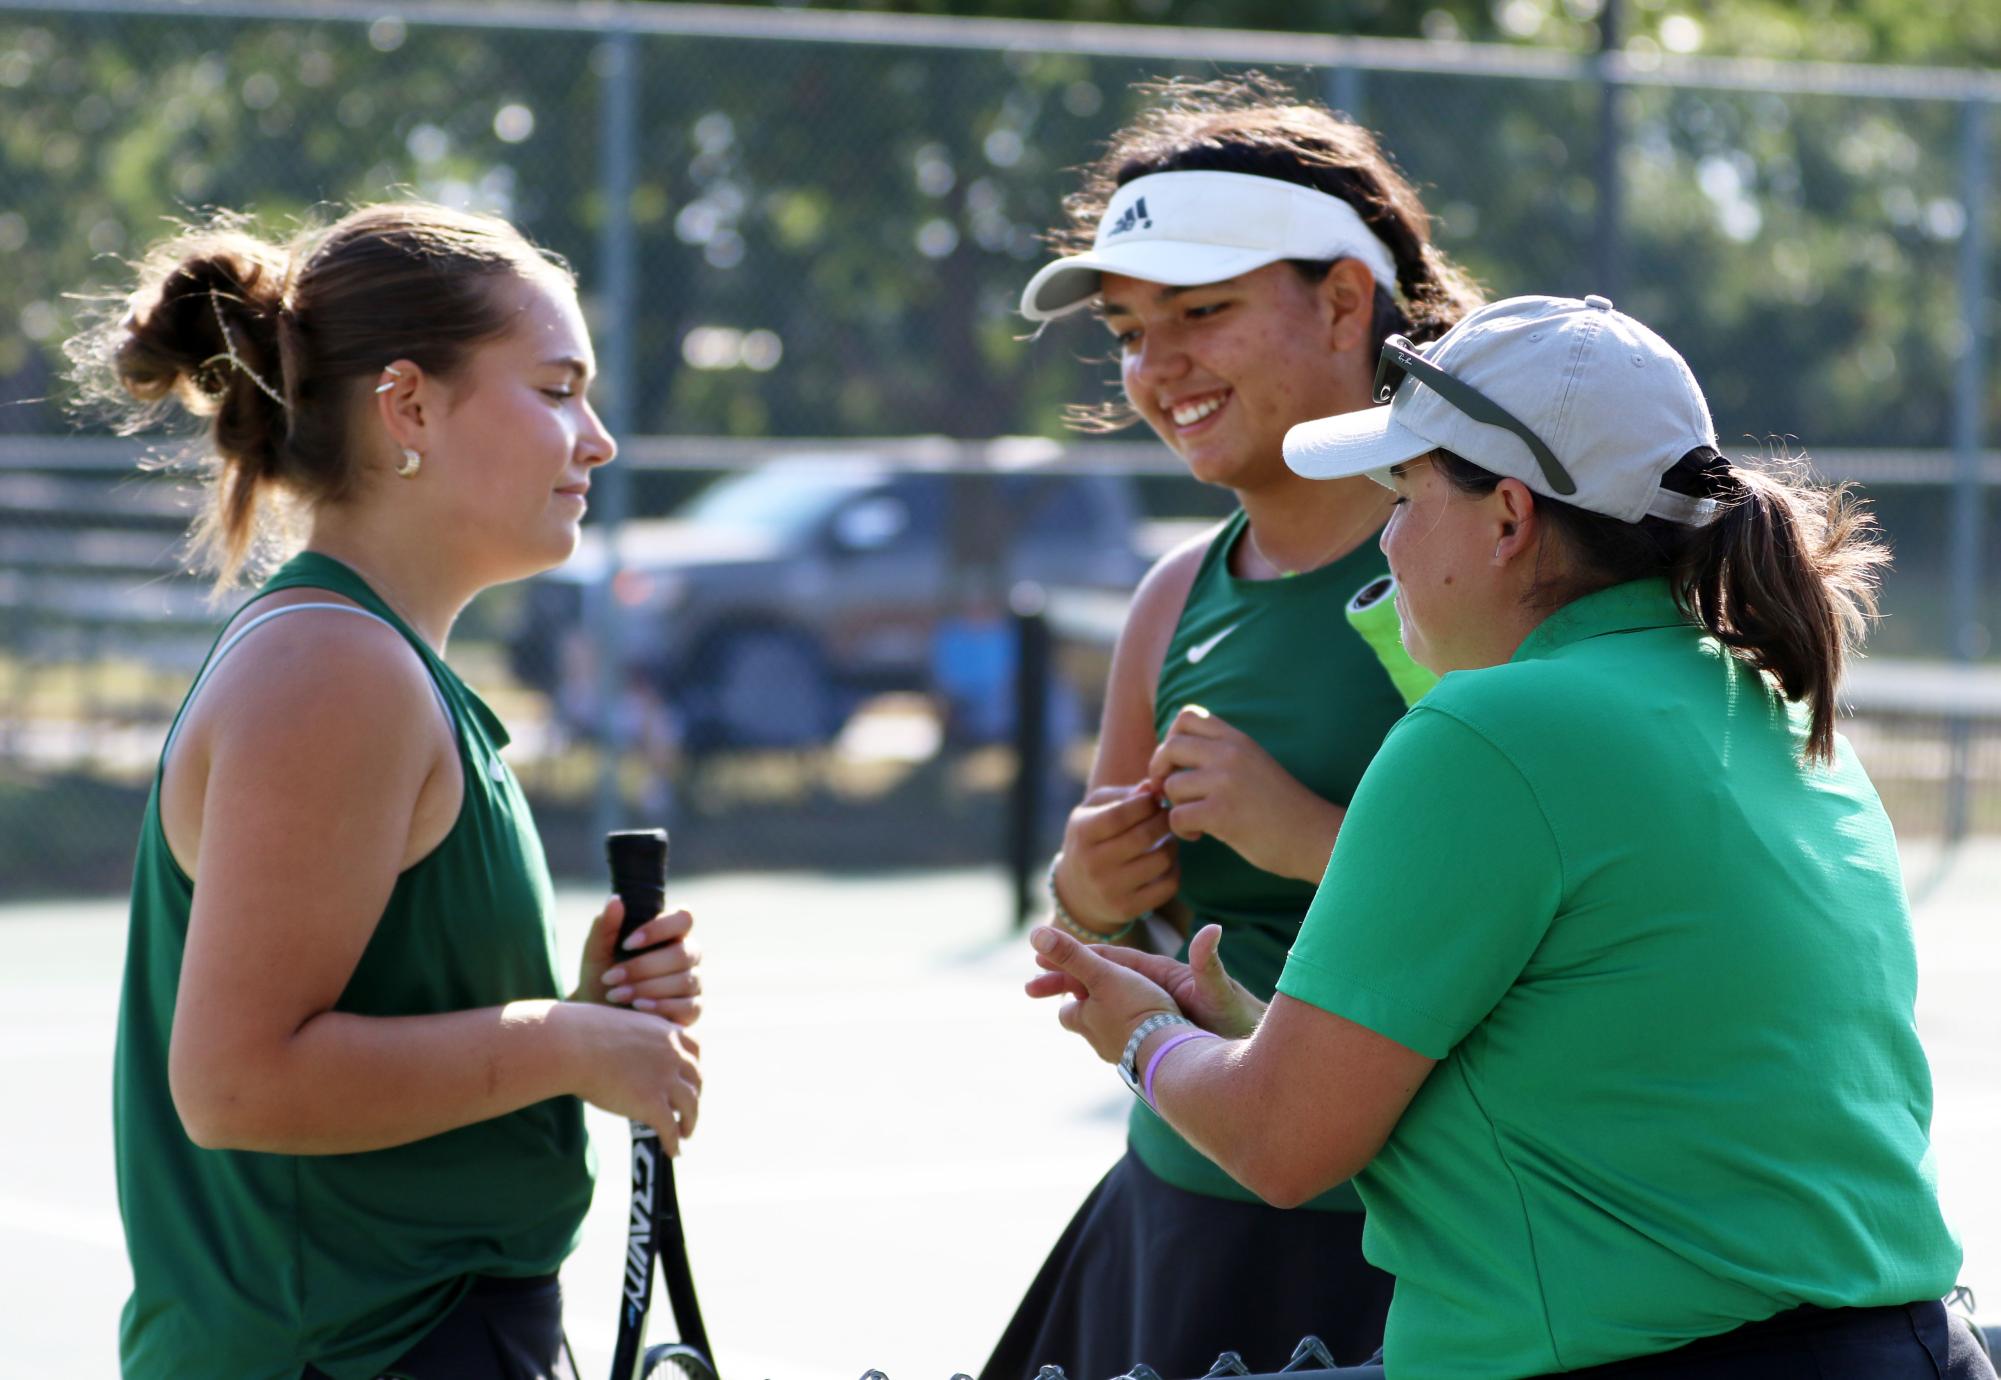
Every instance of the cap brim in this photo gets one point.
(1367, 442)
(1064, 286)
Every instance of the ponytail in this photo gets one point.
(1785, 577)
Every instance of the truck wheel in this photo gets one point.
(763, 687)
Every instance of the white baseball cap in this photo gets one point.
(1185, 229)
(1609, 404)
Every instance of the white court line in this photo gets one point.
(879, 1180)
(38, 1045)
(86, 1225)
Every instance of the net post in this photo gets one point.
(1027, 605)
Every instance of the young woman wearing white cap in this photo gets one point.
(1249, 254)
(1606, 999)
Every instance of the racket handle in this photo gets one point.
(638, 859)
(1372, 613)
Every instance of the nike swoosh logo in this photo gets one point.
(1207, 645)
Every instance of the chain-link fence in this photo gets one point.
(815, 225)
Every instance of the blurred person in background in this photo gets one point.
(1248, 253)
(348, 1132)
(1607, 1000)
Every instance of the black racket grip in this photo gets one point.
(638, 859)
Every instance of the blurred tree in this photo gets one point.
(1942, 32)
(115, 127)
(832, 237)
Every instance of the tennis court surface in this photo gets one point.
(892, 1136)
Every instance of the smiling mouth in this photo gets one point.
(1188, 414)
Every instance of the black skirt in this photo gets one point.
(1914, 1341)
(1149, 1272)
(503, 1329)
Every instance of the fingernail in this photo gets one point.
(635, 940)
(1042, 940)
(618, 994)
(644, 1004)
(613, 976)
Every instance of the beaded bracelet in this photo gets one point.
(1069, 925)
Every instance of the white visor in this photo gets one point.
(1184, 229)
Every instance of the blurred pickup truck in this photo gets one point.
(764, 609)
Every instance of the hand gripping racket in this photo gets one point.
(639, 877)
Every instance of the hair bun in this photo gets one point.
(204, 327)
(202, 313)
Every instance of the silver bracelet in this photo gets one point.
(1129, 1061)
(1069, 924)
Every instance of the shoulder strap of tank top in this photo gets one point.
(451, 720)
(1214, 567)
(1217, 556)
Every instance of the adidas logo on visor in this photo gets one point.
(1135, 218)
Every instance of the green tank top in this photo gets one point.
(254, 1265)
(1276, 659)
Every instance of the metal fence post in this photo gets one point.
(1343, 89)
(1966, 632)
(1607, 258)
(616, 62)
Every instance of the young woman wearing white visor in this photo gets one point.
(1248, 253)
(1606, 998)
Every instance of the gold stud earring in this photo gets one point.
(411, 461)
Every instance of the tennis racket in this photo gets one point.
(639, 877)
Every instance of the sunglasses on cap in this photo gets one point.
(1400, 360)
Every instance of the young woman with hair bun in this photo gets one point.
(1248, 253)
(1606, 1001)
(347, 1081)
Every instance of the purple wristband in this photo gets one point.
(1165, 1045)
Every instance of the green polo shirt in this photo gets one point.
(1668, 974)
